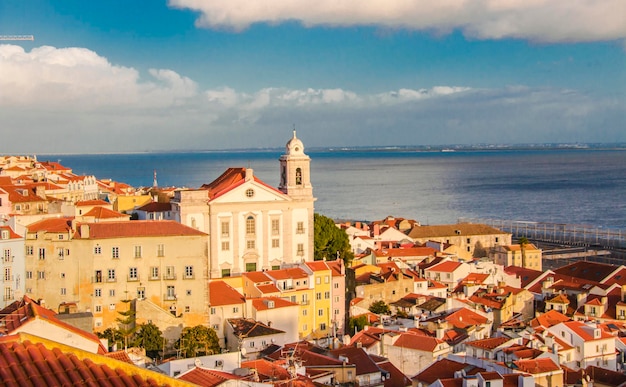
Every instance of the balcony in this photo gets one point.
(169, 297)
(132, 278)
(111, 279)
(189, 276)
(154, 278)
(170, 276)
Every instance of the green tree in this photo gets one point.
(357, 322)
(127, 323)
(198, 341)
(330, 240)
(113, 336)
(379, 307)
(150, 338)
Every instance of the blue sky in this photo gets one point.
(106, 76)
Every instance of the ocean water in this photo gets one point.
(586, 187)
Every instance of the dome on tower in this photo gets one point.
(294, 146)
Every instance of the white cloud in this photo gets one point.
(536, 20)
(73, 100)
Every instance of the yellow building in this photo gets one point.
(96, 266)
(528, 256)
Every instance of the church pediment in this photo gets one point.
(252, 191)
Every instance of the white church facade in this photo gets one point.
(251, 225)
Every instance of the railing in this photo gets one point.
(169, 297)
(132, 278)
(169, 276)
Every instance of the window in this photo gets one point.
(298, 176)
(336, 285)
(7, 274)
(212, 310)
(322, 326)
(305, 327)
(225, 272)
(225, 246)
(98, 308)
(111, 292)
(336, 298)
(169, 273)
(137, 251)
(250, 244)
(275, 243)
(235, 309)
(154, 272)
(275, 227)
(249, 193)
(29, 275)
(60, 252)
(111, 306)
(111, 275)
(318, 296)
(300, 249)
(188, 271)
(251, 266)
(171, 293)
(225, 227)
(41, 275)
(29, 250)
(42, 253)
(300, 228)
(305, 312)
(160, 250)
(318, 280)
(188, 292)
(97, 250)
(97, 292)
(187, 309)
(468, 240)
(250, 225)
(326, 279)
(62, 275)
(141, 293)
(115, 252)
(132, 274)
(252, 344)
(320, 312)
(327, 295)
(336, 311)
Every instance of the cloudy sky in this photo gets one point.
(122, 75)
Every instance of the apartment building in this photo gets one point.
(97, 266)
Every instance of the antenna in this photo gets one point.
(17, 37)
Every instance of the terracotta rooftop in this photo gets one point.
(589, 270)
(138, 228)
(155, 207)
(537, 366)
(445, 267)
(264, 303)
(221, 293)
(207, 377)
(30, 361)
(489, 343)
(105, 213)
(245, 327)
(444, 369)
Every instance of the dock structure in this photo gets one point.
(561, 233)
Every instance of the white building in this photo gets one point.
(251, 225)
(593, 345)
(13, 269)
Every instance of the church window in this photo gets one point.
(300, 249)
(249, 193)
(250, 225)
(298, 176)
(300, 228)
(251, 244)
(225, 246)
(275, 227)
(225, 229)
(250, 266)
(275, 243)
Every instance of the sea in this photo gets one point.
(574, 186)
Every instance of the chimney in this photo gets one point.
(357, 225)
(249, 174)
(376, 229)
(84, 231)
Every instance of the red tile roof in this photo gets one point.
(221, 293)
(96, 202)
(27, 360)
(444, 369)
(264, 302)
(105, 213)
(537, 366)
(51, 225)
(445, 267)
(207, 377)
(12, 234)
(489, 343)
(139, 228)
(418, 342)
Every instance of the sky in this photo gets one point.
(162, 75)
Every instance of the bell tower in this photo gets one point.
(295, 168)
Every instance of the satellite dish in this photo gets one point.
(198, 363)
(244, 352)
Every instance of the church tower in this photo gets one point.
(295, 168)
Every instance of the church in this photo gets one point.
(253, 226)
